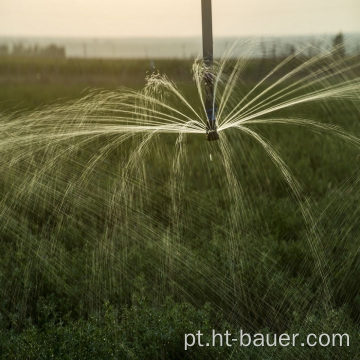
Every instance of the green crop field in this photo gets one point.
(116, 240)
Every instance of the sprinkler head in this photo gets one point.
(211, 129)
(212, 135)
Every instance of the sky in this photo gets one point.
(182, 18)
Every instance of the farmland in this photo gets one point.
(137, 255)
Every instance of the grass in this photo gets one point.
(133, 286)
(27, 83)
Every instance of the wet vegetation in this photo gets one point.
(119, 259)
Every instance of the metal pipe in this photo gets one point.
(207, 37)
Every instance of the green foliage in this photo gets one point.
(142, 331)
(77, 283)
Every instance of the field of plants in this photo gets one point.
(115, 244)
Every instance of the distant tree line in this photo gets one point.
(268, 49)
(314, 47)
(339, 45)
(49, 51)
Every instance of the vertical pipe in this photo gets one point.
(207, 37)
(207, 34)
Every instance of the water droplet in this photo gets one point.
(210, 157)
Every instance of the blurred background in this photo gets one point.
(159, 29)
(52, 50)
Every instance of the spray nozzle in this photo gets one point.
(211, 129)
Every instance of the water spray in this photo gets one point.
(207, 37)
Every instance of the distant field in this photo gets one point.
(26, 83)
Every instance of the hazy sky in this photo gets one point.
(128, 18)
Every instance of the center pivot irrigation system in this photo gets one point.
(208, 55)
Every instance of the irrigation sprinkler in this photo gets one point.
(207, 37)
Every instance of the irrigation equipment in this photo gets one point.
(207, 37)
